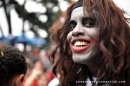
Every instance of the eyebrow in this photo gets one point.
(82, 19)
(71, 21)
(88, 18)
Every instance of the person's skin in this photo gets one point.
(84, 39)
(17, 81)
(43, 81)
(38, 66)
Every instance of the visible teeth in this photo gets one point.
(80, 43)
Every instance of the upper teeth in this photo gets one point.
(80, 43)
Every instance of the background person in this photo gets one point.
(35, 72)
(12, 66)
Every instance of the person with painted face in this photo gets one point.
(93, 41)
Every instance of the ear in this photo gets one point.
(19, 79)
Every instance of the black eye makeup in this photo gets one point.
(88, 22)
(72, 25)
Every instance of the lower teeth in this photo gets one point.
(80, 45)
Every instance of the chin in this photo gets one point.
(79, 60)
(85, 59)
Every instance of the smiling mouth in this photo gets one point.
(81, 43)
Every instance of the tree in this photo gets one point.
(32, 17)
(7, 5)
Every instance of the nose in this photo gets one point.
(78, 30)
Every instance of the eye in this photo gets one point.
(88, 22)
(72, 25)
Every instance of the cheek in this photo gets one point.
(94, 33)
(97, 33)
(69, 36)
(96, 36)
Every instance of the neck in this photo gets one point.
(93, 70)
(93, 67)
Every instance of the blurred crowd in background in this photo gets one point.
(39, 69)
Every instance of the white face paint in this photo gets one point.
(84, 37)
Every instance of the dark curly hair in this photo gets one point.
(114, 39)
(12, 63)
